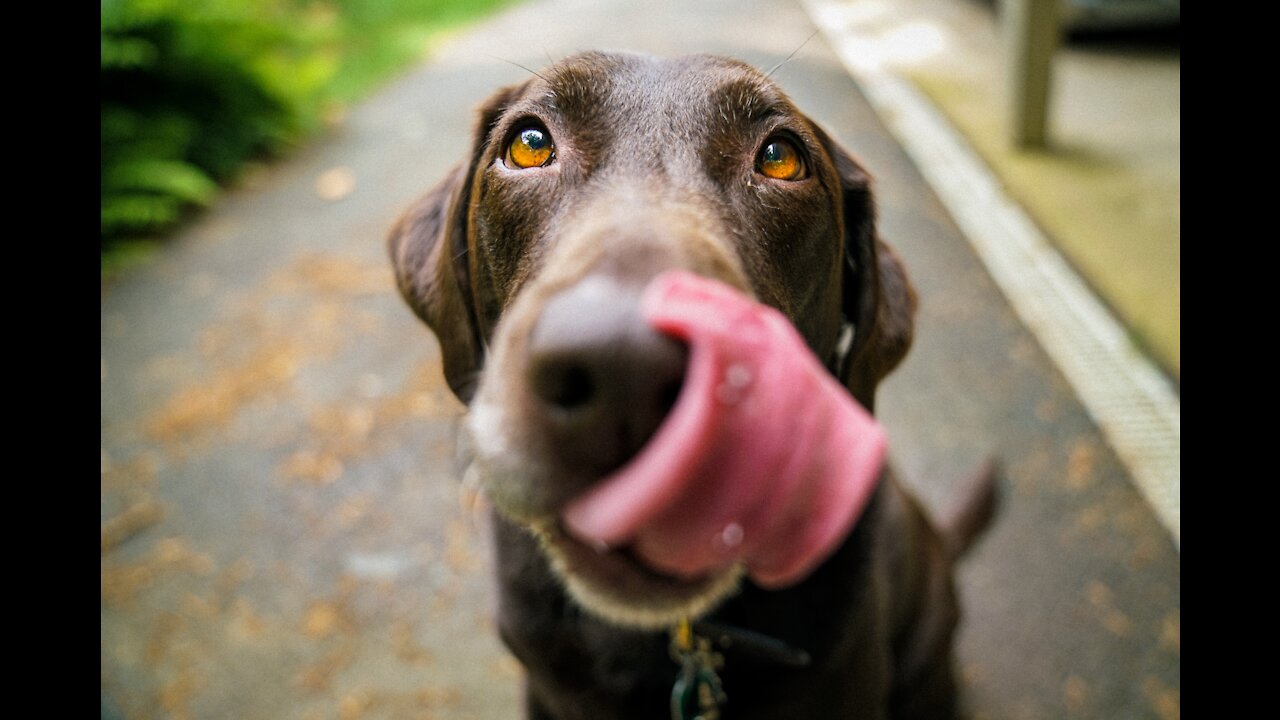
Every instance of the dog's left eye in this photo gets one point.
(779, 159)
(531, 147)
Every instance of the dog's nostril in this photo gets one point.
(668, 395)
(563, 385)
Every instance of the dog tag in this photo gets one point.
(697, 693)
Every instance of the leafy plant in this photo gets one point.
(191, 89)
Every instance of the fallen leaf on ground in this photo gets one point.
(335, 183)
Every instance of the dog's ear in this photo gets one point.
(877, 297)
(430, 251)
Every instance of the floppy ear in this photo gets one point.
(877, 296)
(430, 251)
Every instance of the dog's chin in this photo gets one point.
(615, 586)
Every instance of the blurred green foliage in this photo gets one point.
(192, 89)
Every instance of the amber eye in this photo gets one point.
(531, 147)
(780, 160)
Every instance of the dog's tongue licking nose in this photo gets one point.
(765, 459)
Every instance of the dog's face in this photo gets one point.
(528, 261)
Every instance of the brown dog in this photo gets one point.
(528, 260)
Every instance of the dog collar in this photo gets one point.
(698, 693)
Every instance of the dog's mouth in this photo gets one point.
(765, 460)
(761, 467)
(617, 584)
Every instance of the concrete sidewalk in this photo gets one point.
(282, 530)
(1106, 189)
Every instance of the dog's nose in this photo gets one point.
(601, 377)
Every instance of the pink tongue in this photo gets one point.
(765, 458)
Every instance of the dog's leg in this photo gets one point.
(924, 614)
(932, 696)
(534, 709)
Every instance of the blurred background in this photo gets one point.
(283, 534)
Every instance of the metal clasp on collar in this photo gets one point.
(697, 693)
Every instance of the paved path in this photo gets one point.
(282, 531)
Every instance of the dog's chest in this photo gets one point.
(580, 667)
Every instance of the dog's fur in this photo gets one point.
(655, 168)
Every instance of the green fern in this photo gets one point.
(184, 104)
(124, 213)
(180, 180)
(127, 53)
(192, 89)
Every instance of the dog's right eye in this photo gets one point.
(531, 147)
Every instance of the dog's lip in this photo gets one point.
(612, 557)
(615, 585)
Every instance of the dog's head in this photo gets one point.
(529, 258)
